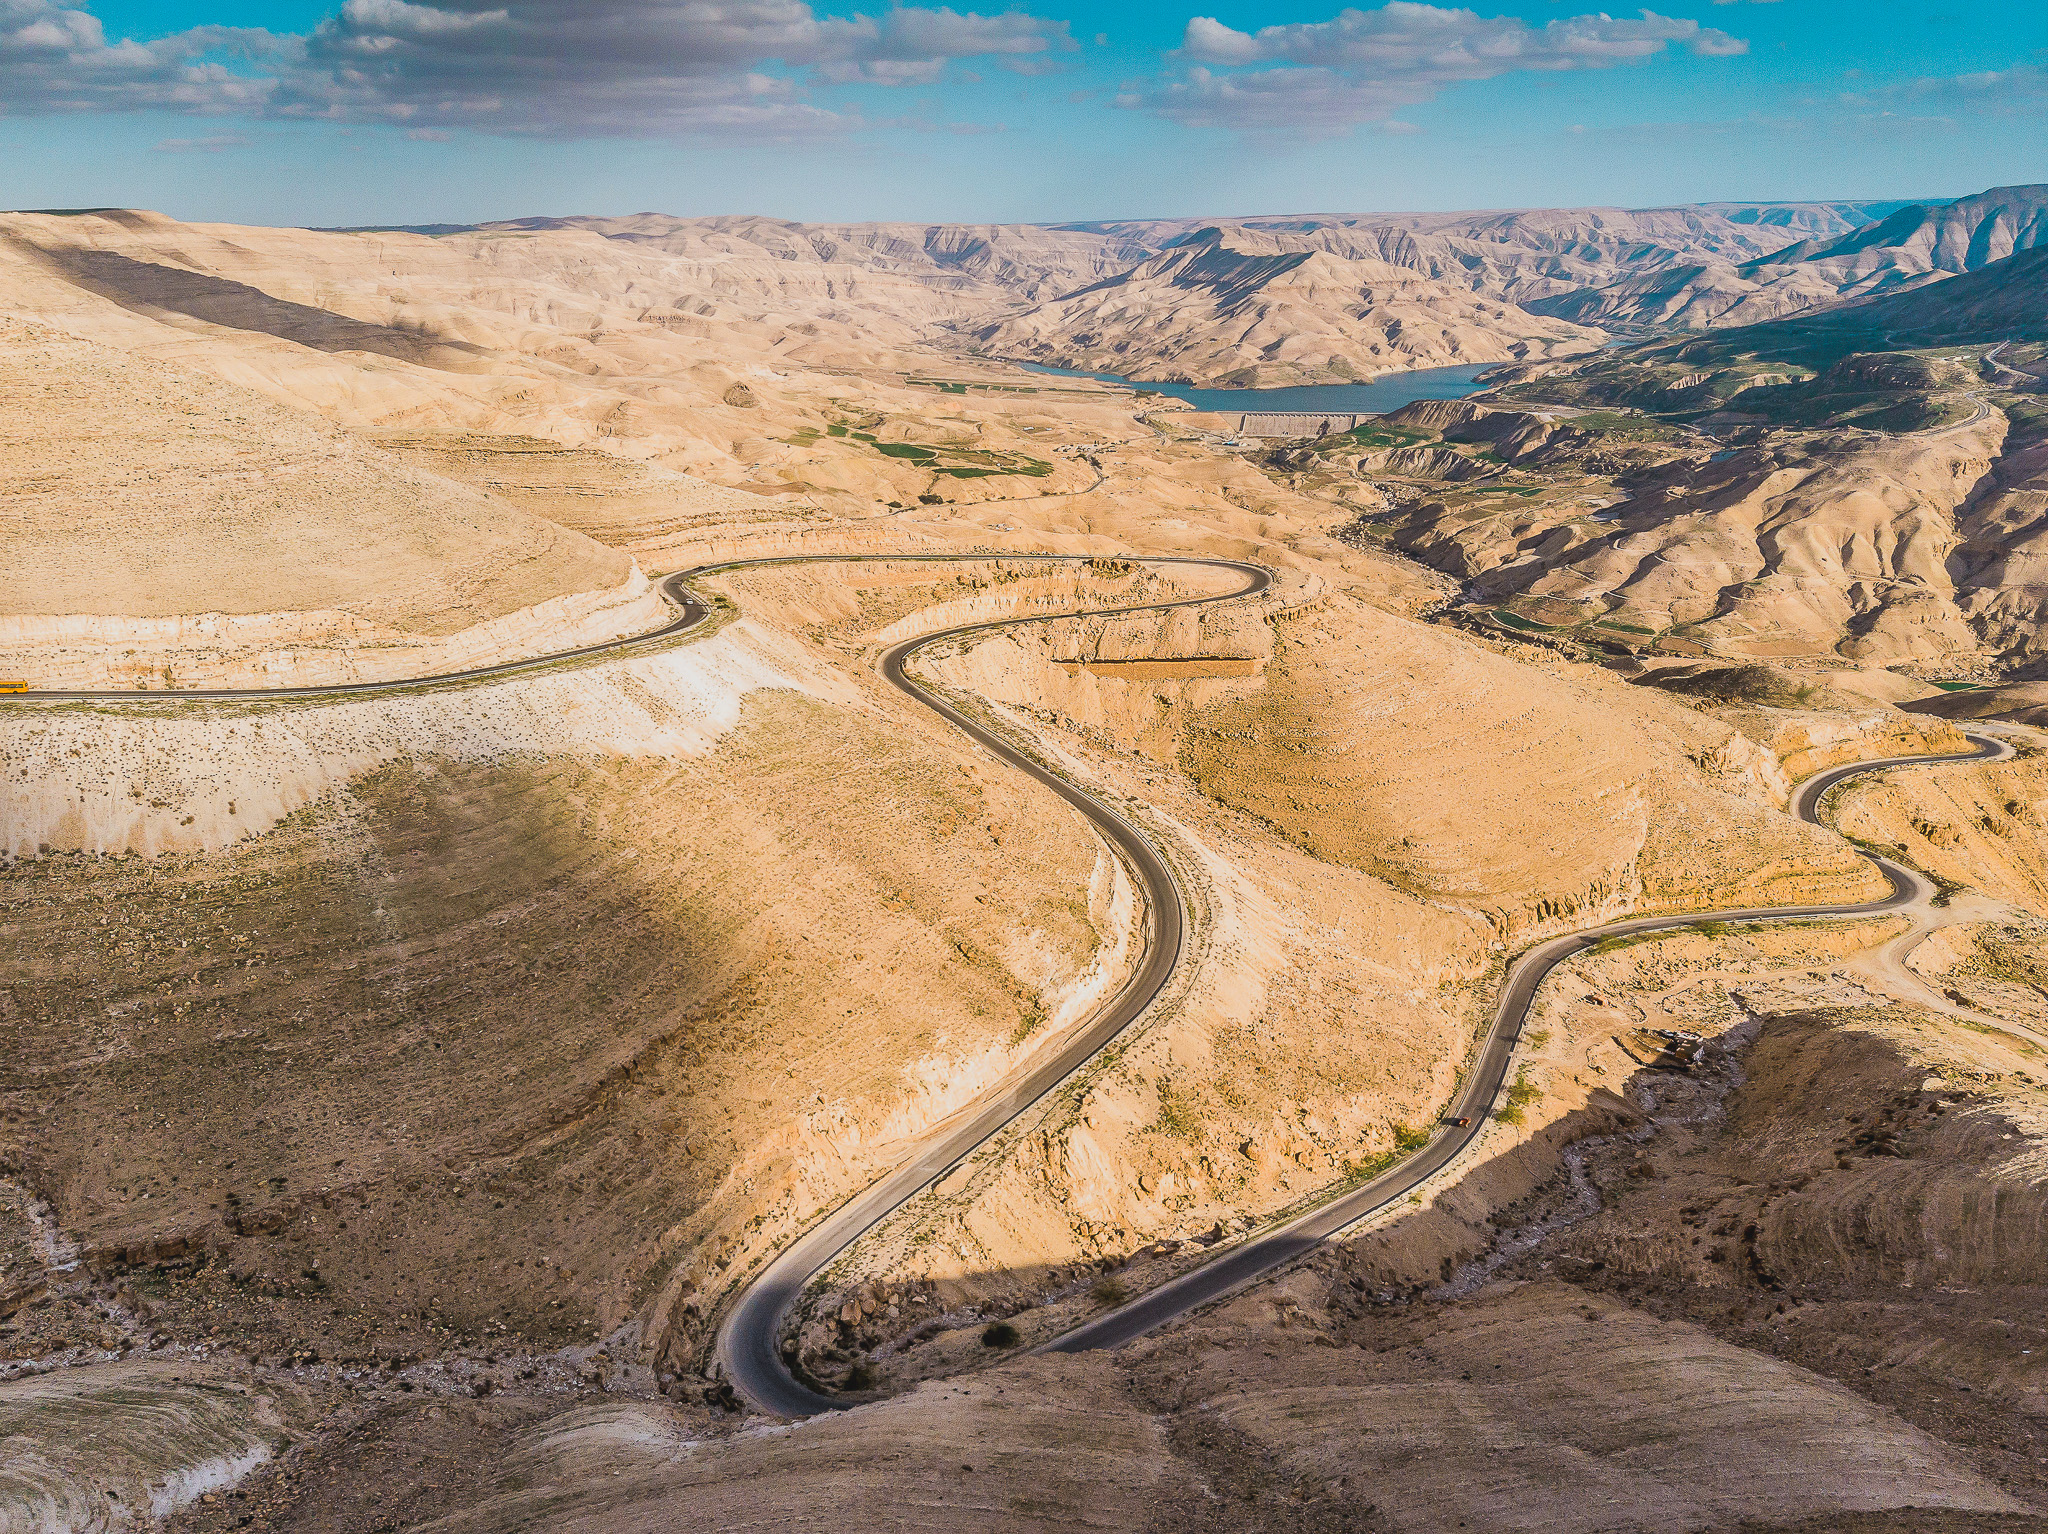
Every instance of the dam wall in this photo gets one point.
(1276, 423)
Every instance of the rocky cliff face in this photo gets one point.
(2000, 301)
(1908, 548)
(1921, 240)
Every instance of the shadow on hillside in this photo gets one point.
(144, 287)
(413, 1071)
(1400, 1259)
(1819, 1125)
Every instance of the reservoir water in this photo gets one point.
(1375, 398)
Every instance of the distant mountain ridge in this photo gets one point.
(2005, 300)
(1954, 237)
(1246, 308)
(1910, 245)
(1301, 298)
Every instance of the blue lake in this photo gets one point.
(1375, 398)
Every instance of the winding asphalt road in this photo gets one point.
(690, 611)
(752, 1325)
(1275, 1248)
(749, 1336)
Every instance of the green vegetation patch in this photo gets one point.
(1408, 1139)
(2008, 954)
(1613, 423)
(1753, 683)
(1179, 1114)
(1521, 1093)
(1779, 373)
(1609, 945)
(952, 461)
(962, 386)
(1376, 437)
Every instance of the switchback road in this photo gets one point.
(751, 1329)
(1275, 1248)
(750, 1334)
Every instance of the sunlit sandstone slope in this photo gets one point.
(158, 528)
(404, 1084)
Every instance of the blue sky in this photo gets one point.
(408, 111)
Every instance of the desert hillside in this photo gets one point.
(1950, 238)
(1532, 255)
(1156, 300)
(1256, 310)
(1997, 301)
(591, 303)
(941, 269)
(182, 526)
(1860, 485)
(411, 1092)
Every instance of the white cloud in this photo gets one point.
(1362, 66)
(561, 67)
(384, 16)
(56, 59)
(1408, 39)
(2022, 89)
(212, 145)
(630, 66)
(1317, 102)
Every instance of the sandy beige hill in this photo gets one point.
(1257, 310)
(1526, 1407)
(723, 367)
(158, 518)
(1918, 242)
(936, 279)
(2003, 300)
(542, 1006)
(1356, 847)
(937, 270)
(585, 310)
(1531, 256)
